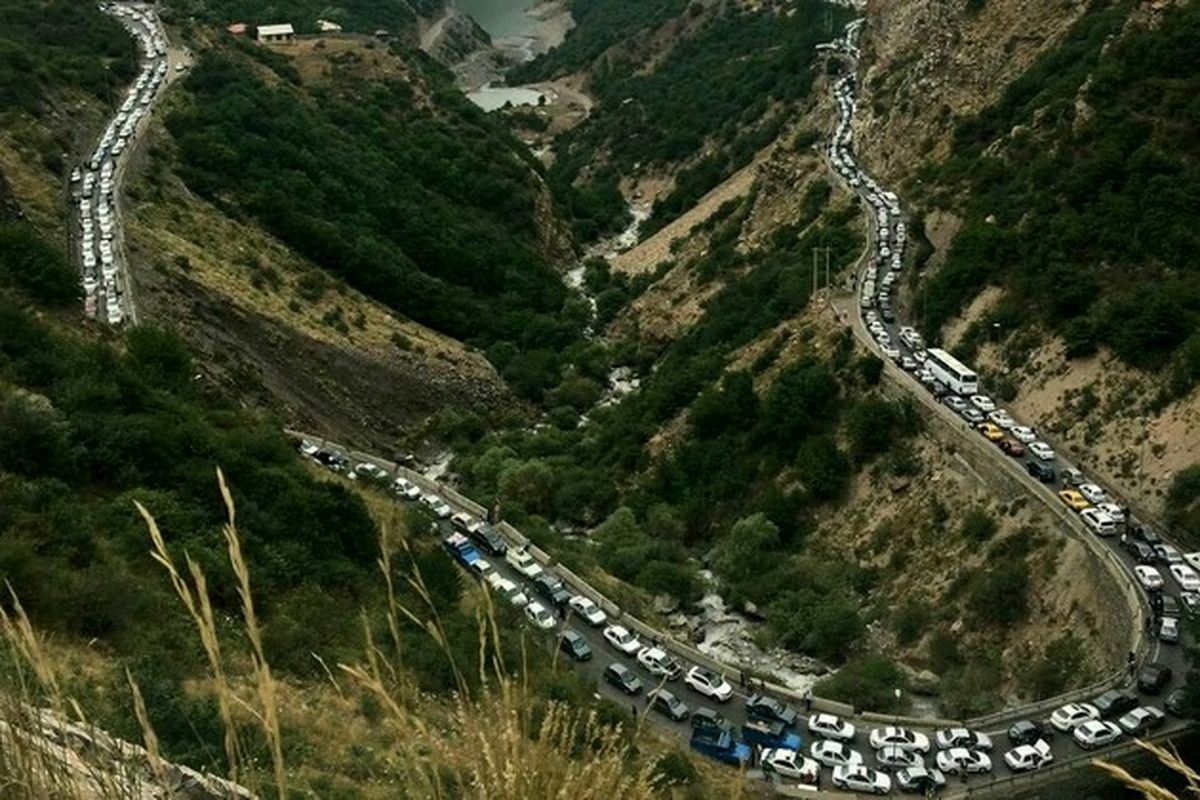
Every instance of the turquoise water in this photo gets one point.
(500, 18)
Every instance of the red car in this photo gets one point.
(1012, 447)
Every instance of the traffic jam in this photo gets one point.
(750, 729)
(93, 183)
(1143, 552)
(772, 739)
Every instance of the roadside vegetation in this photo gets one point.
(726, 86)
(1081, 181)
(91, 431)
(748, 461)
(49, 44)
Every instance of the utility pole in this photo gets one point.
(814, 270)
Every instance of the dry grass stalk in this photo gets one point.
(1150, 790)
(267, 695)
(149, 737)
(202, 614)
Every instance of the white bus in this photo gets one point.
(952, 372)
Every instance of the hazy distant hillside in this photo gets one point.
(686, 93)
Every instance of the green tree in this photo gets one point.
(741, 554)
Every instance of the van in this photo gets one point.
(1101, 523)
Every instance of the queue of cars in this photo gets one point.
(93, 183)
(1113, 714)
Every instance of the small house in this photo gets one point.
(275, 34)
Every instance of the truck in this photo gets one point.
(770, 734)
(461, 548)
(721, 747)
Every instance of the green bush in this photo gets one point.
(978, 526)
(866, 683)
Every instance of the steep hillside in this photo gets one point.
(686, 96)
(1055, 196)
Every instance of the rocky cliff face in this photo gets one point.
(82, 762)
(929, 62)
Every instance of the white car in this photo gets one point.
(983, 403)
(508, 589)
(1028, 757)
(591, 613)
(1169, 554)
(620, 638)
(1113, 510)
(307, 448)
(659, 663)
(437, 505)
(1148, 577)
(1096, 733)
(1093, 493)
(708, 683)
(948, 738)
(899, 737)
(828, 726)
(858, 778)
(834, 754)
(1100, 523)
(789, 764)
(1187, 578)
(1193, 559)
(1042, 451)
(1168, 630)
(465, 522)
(406, 488)
(1067, 718)
(958, 760)
(482, 568)
(1024, 434)
(522, 562)
(1141, 720)
(1001, 419)
(540, 616)
(891, 353)
(371, 471)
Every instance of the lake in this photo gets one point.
(490, 98)
(502, 19)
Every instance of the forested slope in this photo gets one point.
(685, 90)
(1081, 181)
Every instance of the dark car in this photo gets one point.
(489, 541)
(1115, 702)
(551, 588)
(1141, 552)
(769, 709)
(622, 677)
(575, 645)
(1028, 731)
(1170, 606)
(1153, 677)
(669, 705)
(1042, 472)
(919, 780)
(887, 314)
(1145, 534)
(335, 461)
(706, 722)
(1176, 702)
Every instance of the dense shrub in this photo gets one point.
(1086, 219)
